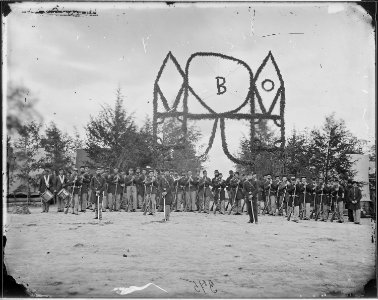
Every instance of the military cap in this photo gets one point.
(230, 172)
(216, 171)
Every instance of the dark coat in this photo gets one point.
(354, 195)
(50, 183)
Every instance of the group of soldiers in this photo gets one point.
(165, 190)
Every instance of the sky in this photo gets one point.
(73, 65)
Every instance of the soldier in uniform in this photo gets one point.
(151, 190)
(204, 193)
(105, 203)
(348, 203)
(327, 200)
(175, 189)
(75, 182)
(131, 191)
(293, 189)
(89, 198)
(46, 182)
(250, 187)
(338, 196)
(305, 191)
(141, 187)
(98, 186)
(123, 192)
(355, 197)
(237, 190)
(319, 198)
(283, 196)
(270, 202)
(262, 194)
(115, 189)
(166, 185)
(228, 188)
(181, 200)
(60, 183)
(86, 180)
(275, 185)
(190, 192)
(219, 186)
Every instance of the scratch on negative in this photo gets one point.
(144, 45)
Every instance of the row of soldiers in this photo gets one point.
(149, 190)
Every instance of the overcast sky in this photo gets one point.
(74, 64)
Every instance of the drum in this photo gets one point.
(63, 194)
(47, 196)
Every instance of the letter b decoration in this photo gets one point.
(264, 99)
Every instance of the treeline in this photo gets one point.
(322, 151)
(112, 140)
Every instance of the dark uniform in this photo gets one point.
(219, 186)
(237, 190)
(75, 181)
(204, 193)
(293, 190)
(283, 197)
(98, 187)
(327, 201)
(338, 193)
(355, 197)
(46, 182)
(166, 185)
(60, 183)
(250, 188)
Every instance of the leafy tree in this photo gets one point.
(19, 109)
(175, 152)
(263, 161)
(26, 149)
(56, 145)
(296, 154)
(330, 148)
(112, 136)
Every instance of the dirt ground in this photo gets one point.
(193, 255)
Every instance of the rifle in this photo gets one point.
(215, 209)
(266, 202)
(69, 203)
(283, 200)
(320, 207)
(303, 210)
(145, 199)
(253, 213)
(236, 192)
(98, 207)
(175, 198)
(292, 205)
(334, 208)
(165, 218)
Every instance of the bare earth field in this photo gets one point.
(193, 255)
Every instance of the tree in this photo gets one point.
(20, 109)
(171, 150)
(56, 145)
(330, 148)
(296, 154)
(263, 161)
(26, 148)
(112, 136)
